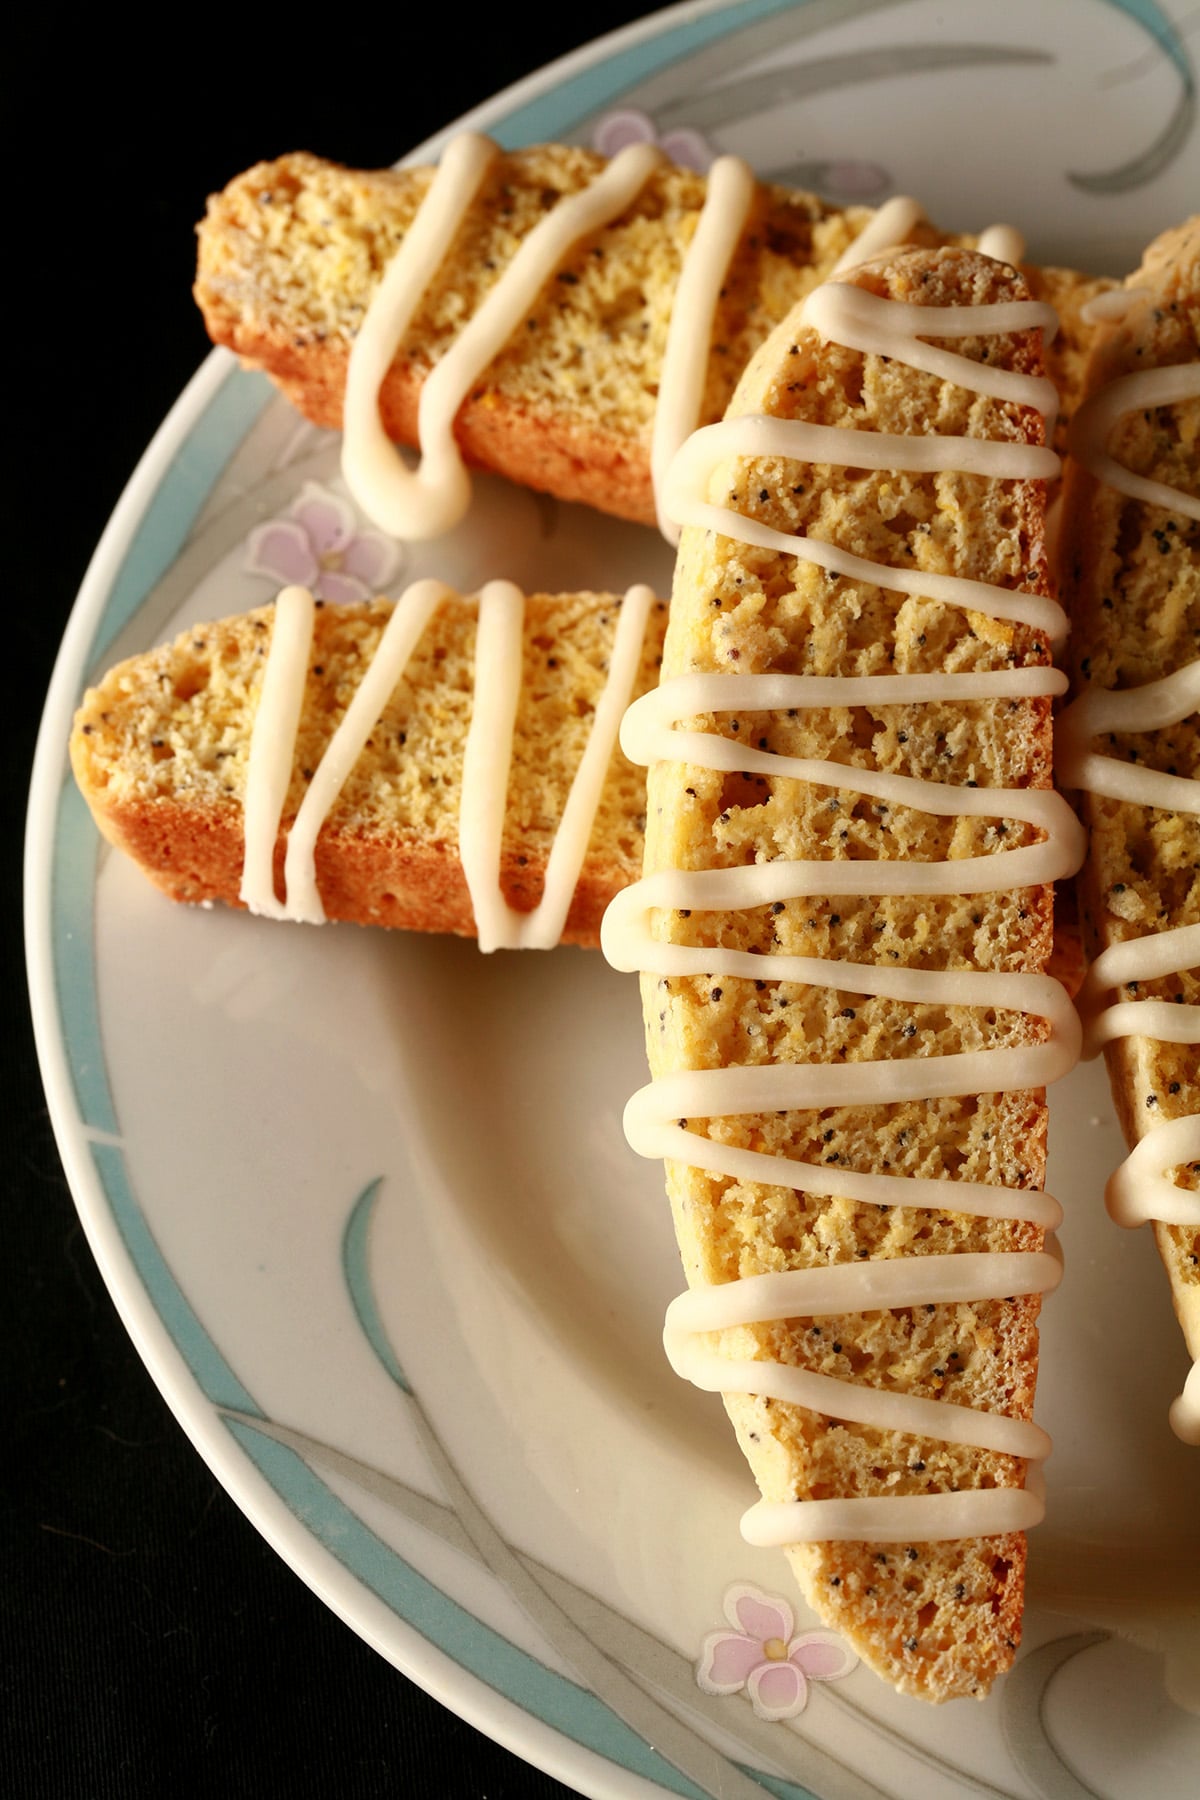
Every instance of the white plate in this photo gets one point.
(364, 1202)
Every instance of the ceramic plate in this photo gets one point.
(364, 1200)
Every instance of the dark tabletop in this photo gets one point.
(152, 1642)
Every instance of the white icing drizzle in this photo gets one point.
(1093, 425)
(1125, 965)
(488, 757)
(685, 358)
(486, 763)
(401, 635)
(424, 502)
(1140, 1189)
(1185, 1411)
(658, 1116)
(1004, 242)
(403, 502)
(1147, 708)
(272, 744)
(896, 1518)
(1112, 307)
(891, 227)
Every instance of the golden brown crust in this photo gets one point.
(1131, 575)
(935, 1619)
(160, 749)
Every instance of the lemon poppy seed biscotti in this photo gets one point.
(843, 934)
(1131, 744)
(161, 750)
(293, 253)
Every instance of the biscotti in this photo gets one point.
(1131, 742)
(293, 254)
(843, 931)
(161, 750)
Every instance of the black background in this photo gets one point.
(152, 1643)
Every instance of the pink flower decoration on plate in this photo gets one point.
(617, 130)
(318, 545)
(761, 1655)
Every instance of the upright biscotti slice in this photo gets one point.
(844, 933)
(161, 752)
(1131, 570)
(292, 254)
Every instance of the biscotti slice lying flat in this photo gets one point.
(843, 932)
(293, 253)
(1131, 568)
(161, 752)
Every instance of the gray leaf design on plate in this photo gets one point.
(616, 1660)
(1168, 42)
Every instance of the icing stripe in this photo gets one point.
(832, 1288)
(1185, 1411)
(895, 1518)
(649, 1136)
(487, 757)
(1166, 1020)
(1126, 964)
(857, 1402)
(647, 738)
(402, 633)
(1140, 1191)
(891, 226)
(685, 360)
(1004, 242)
(486, 769)
(1168, 701)
(747, 1088)
(272, 746)
(1098, 417)
(797, 441)
(383, 486)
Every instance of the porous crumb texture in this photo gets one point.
(1131, 573)
(291, 253)
(160, 751)
(936, 1619)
